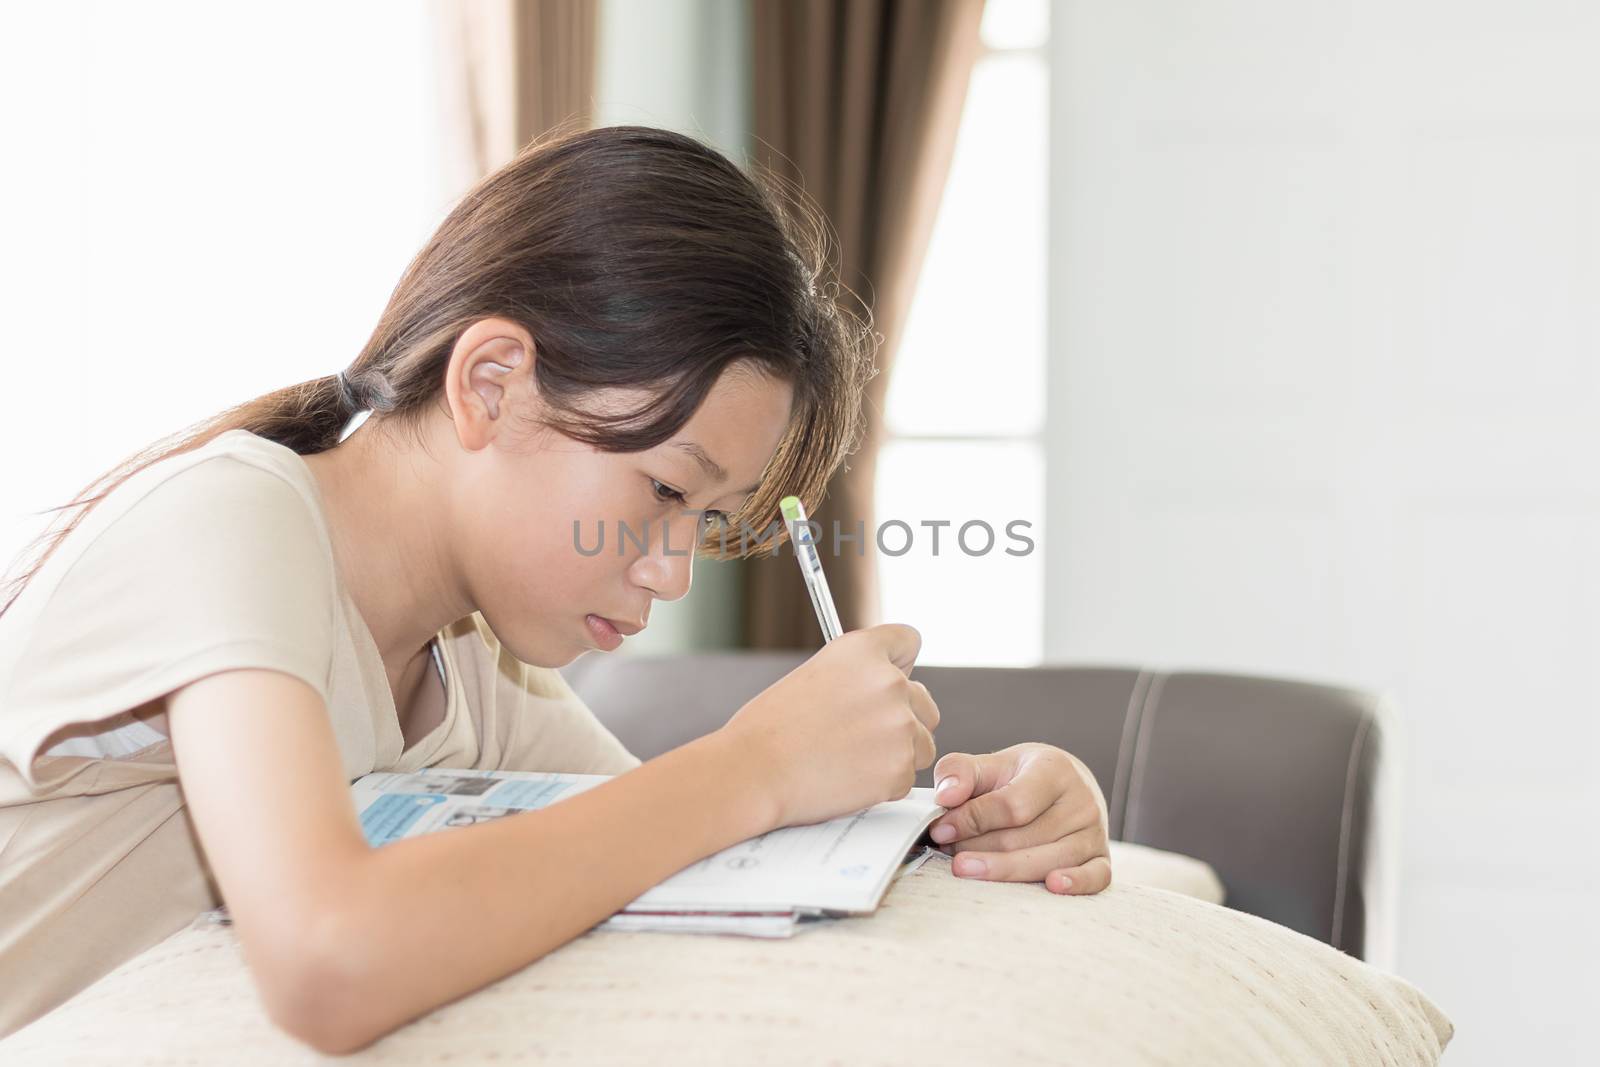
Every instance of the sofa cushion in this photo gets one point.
(1157, 868)
(949, 968)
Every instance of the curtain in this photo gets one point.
(859, 102)
(512, 71)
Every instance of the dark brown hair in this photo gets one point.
(635, 257)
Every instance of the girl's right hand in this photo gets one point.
(843, 731)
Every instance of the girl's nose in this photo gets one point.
(666, 568)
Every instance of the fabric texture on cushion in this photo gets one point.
(949, 968)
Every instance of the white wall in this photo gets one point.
(1326, 312)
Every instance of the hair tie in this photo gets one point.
(348, 398)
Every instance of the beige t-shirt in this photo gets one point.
(214, 560)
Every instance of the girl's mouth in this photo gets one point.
(605, 635)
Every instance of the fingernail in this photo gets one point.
(1066, 883)
(969, 866)
(943, 832)
(947, 782)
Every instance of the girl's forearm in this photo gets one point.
(423, 921)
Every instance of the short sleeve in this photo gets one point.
(579, 740)
(528, 718)
(221, 565)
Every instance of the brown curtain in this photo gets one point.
(859, 102)
(513, 70)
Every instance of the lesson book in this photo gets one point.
(768, 886)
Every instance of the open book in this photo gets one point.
(765, 887)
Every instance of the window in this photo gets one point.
(965, 412)
(210, 202)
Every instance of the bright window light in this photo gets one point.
(208, 202)
(975, 594)
(965, 409)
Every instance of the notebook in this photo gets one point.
(774, 885)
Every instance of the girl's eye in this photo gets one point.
(666, 492)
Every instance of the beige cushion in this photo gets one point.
(1172, 871)
(949, 970)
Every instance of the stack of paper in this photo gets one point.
(694, 918)
(768, 886)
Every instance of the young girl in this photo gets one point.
(617, 327)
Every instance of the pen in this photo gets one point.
(805, 550)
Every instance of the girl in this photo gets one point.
(618, 326)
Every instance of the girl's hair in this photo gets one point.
(635, 257)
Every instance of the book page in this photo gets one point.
(839, 865)
(842, 865)
(393, 806)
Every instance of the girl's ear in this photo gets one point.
(489, 377)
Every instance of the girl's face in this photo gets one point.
(566, 546)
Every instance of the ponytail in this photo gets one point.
(307, 417)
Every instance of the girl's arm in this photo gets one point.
(347, 942)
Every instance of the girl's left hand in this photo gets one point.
(1027, 813)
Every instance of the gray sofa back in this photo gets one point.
(1274, 783)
